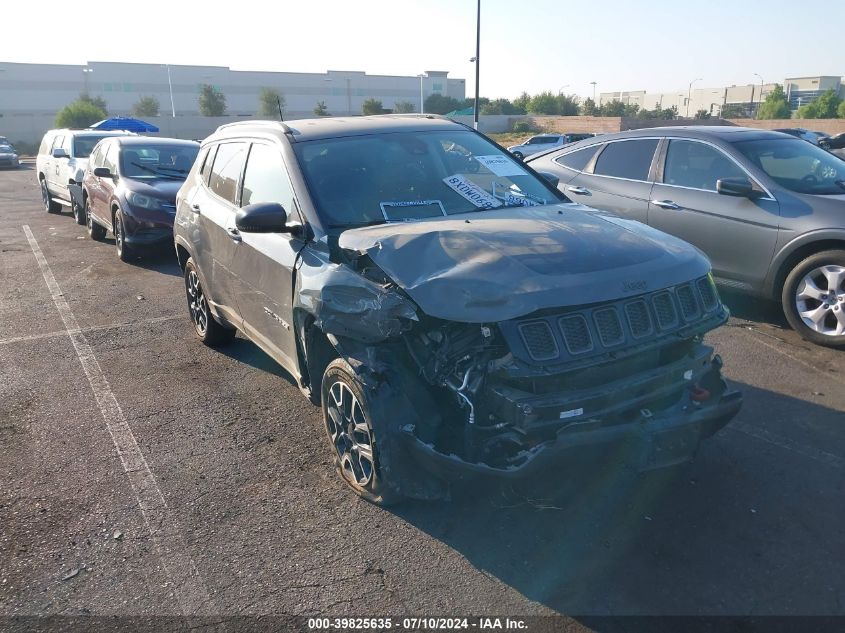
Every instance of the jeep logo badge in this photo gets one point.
(634, 286)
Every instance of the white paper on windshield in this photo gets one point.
(472, 192)
(501, 165)
(519, 201)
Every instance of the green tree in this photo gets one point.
(146, 106)
(702, 114)
(440, 104)
(500, 106)
(212, 101)
(840, 111)
(404, 107)
(372, 106)
(521, 103)
(825, 107)
(270, 101)
(320, 109)
(544, 103)
(567, 105)
(80, 114)
(469, 102)
(775, 105)
(99, 102)
(734, 111)
(588, 108)
(613, 108)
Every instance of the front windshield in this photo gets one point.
(404, 176)
(84, 145)
(797, 165)
(147, 162)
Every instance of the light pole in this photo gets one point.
(760, 98)
(593, 83)
(560, 90)
(170, 85)
(477, 60)
(689, 93)
(422, 103)
(348, 95)
(85, 72)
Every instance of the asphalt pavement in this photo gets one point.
(142, 473)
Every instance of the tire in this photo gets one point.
(78, 213)
(95, 231)
(356, 453)
(518, 155)
(206, 326)
(124, 251)
(50, 205)
(813, 308)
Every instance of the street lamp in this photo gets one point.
(689, 93)
(560, 90)
(593, 83)
(170, 85)
(477, 60)
(760, 98)
(422, 103)
(87, 71)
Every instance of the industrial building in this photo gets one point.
(46, 88)
(745, 99)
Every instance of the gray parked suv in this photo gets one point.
(767, 208)
(454, 314)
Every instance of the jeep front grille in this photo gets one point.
(689, 304)
(539, 340)
(708, 294)
(609, 326)
(638, 319)
(664, 307)
(576, 334)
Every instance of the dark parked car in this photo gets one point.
(9, 156)
(130, 189)
(453, 312)
(768, 209)
(837, 141)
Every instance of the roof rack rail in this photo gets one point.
(266, 123)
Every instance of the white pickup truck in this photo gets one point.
(543, 142)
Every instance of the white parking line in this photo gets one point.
(189, 589)
(775, 348)
(93, 328)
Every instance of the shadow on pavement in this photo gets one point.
(753, 309)
(161, 258)
(250, 354)
(750, 527)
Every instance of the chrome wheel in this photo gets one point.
(350, 434)
(197, 303)
(118, 235)
(820, 300)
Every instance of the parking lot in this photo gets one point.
(143, 473)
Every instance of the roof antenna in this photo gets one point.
(279, 103)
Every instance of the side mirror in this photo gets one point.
(102, 172)
(60, 152)
(740, 187)
(262, 217)
(554, 180)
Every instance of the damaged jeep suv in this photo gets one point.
(454, 314)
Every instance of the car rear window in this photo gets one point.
(578, 159)
(626, 159)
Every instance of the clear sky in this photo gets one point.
(531, 45)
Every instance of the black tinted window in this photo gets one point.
(265, 179)
(83, 145)
(696, 165)
(627, 159)
(227, 169)
(577, 160)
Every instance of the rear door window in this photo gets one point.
(577, 160)
(226, 171)
(627, 159)
(208, 161)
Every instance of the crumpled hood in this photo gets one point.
(501, 264)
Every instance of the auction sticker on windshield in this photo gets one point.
(501, 165)
(472, 192)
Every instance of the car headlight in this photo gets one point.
(145, 202)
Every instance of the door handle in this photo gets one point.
(666, 204)
(234, 233)
(581, 191)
